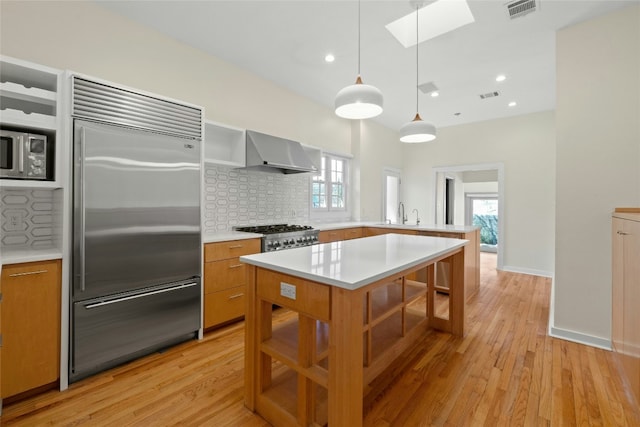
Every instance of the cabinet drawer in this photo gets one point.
(328, 236)
(232, 249)
(311, 298)
(220, 307)
(225, 274)
(353, 233)
(442, 234)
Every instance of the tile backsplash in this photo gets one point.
(29, 218)
(242, 197)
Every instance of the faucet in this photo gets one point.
(401, 213)
(417, 216)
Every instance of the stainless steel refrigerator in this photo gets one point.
(136, 233)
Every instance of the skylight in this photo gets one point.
(435, 19)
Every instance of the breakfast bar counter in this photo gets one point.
(358, 303)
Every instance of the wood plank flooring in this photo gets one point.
(505, 372)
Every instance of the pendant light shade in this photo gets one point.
(417, 130)
(359, 101)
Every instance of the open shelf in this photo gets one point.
(224, 145)
(283, 346)
(282, 396)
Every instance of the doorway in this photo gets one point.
(391, 198)
(481, 179)
(449, 200)
(481, 210)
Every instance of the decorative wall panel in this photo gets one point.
(240, 197)
(28, 218)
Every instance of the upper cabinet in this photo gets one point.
(30, 101)
(224, 145)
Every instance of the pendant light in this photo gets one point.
(359, 101)
(417, 130)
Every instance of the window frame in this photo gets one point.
(328, 211)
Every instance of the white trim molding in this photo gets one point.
(572, 336)
(532, 271)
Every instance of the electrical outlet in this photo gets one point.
(287, 290)
(15, 221)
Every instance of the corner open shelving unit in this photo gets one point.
(224, 145)
(32, 99)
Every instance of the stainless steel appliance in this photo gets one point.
(283, 236)
(23, 155)
(267, 153)
(136, 226)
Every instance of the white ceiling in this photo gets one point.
(286, 42)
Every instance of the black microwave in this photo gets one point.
(23, 155)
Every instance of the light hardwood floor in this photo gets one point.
(505, 371)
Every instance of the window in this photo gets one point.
(329, 187)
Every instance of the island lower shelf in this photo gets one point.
(315, 368)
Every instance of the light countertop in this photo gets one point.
(16, 256)
(351, 264)
(408, 226)
(225, 236)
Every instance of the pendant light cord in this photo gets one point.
(358, 37)
(417, 25)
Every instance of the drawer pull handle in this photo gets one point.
(236, 296)
(235, 247)
(622, 233)
(236, 265)
(28, 273)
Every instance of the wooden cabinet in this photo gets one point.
(625, 332)
(374, 231)
(315, 368)
(471, 261)
(30, 326)
(225, 279)
(329, 236)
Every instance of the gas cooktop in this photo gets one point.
(273, 228)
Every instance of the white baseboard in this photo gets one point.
(572, 336)
(580, 338)
(531, 271)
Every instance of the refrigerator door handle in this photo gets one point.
(82, 210)
(121, 299)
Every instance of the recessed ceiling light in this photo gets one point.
(501, 78)
(512, 104)
(437, 18)
(329, 58)
(435, 94)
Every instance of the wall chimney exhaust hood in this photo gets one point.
(269, 153)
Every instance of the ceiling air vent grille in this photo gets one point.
(489, 95)
(519, 8)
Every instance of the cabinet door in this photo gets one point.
(31, 320)
(617, 283)
(353, 233)
(221, 275)
(631, 309)
(328, 236)
(223, 306)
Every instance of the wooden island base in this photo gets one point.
(315, 369)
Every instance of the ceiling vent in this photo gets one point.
(489, 95)
(428, 87)
(519, 8)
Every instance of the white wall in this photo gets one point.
(379, 148)
(526, 146)
(481, 187)
(598, 164)
(83, 37)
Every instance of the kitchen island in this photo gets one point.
(357, 310)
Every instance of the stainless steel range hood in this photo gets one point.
(269, 153)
